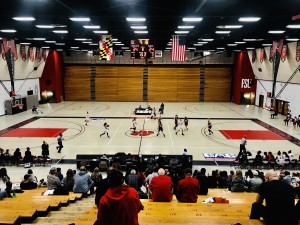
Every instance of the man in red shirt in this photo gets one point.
(188, 188)
(161, 187)
(121, 204)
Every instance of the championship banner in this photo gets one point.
(283, 53)
(38, 55)
(106, 47)
(262, 55)
(13, 49)
(23, 52)
(10, 62)
(274, 47)
(44, 54)
(30, 53)
(2, 51)
(253, 56)
(298, 51)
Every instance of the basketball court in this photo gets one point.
(230, 123)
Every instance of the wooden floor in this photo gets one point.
(81, 139)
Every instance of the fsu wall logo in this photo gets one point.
(246, 83)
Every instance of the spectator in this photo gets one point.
(188, 188)
(27, 184)
(102, 187)
(121, 203)
(53, 182)
(28, 156)
(203, 181)
(31, 176)
(161, 187)
(17, 155)
(83, 182)
(68, 180)
(133, 180)
(5, 184)
(185, 152)
(280, 201)
(255, 182)
(59, 174)
(238, 183)
(151, 175)
(96, 176)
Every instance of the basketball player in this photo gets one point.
(134, 123)
(176, 122)
(180, 127)
(186, 123)
(160, 128)
(106, 129)
(87, 118)
(209, 126)
(153, 116)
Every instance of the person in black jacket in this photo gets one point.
(26, 184)
(102, 187)
(203, 181)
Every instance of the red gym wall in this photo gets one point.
(242, 74)
(51, 79)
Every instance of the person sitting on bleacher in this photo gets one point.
(53, 181)
(161, 187)
(83, 182)
(188, 188)
(26, 184)
(68, 180)
(254, 182)
(120, 205)
(238, 183)
(279, 199)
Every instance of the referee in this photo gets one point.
(243, 143)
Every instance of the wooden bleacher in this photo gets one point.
(27, 206)
(176, 213)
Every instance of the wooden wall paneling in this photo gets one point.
(107, 71)
(217, 84)
(162, 84)
(106, 89)
(77, 83)
(188, 81)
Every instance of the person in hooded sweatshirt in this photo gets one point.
(83, 182)
(121, 204)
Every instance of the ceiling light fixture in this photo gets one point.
(60, 43)
(220, 48)
(74, 47)
(37, 39)
(45, 47)
(91, 26)
(207, 39)
(202, 42)
(292, 39)
(24, 43)
(8, 31)
(267, 44)
(119, 44)
(45, 26)
(231, 45)
(250, 48)
(87, 42)
(141, 31)
(100, 31)
(198, 44)
(181, 32)
(60, 31)
(293, 26)
(94, 44)
(192, 19)
(50, 41)
(230, 26)
(249, 19)
(24, 18)
(239, 42)
(136, 19)
(276, 31)
(223, 32)
(186, 27)
(138, 27)
(80, 19)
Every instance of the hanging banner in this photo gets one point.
(298, 51)
(44, 54)
(273, 51)
(106, 47)
(262, 55)
(23, 52)
(253, 56)
(10, 63)
(283, 53)
(31, 54)
(38, 55)
(13, 49)
(2, 51)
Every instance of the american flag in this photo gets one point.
(178, 48)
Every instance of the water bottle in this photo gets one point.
(14, 194)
